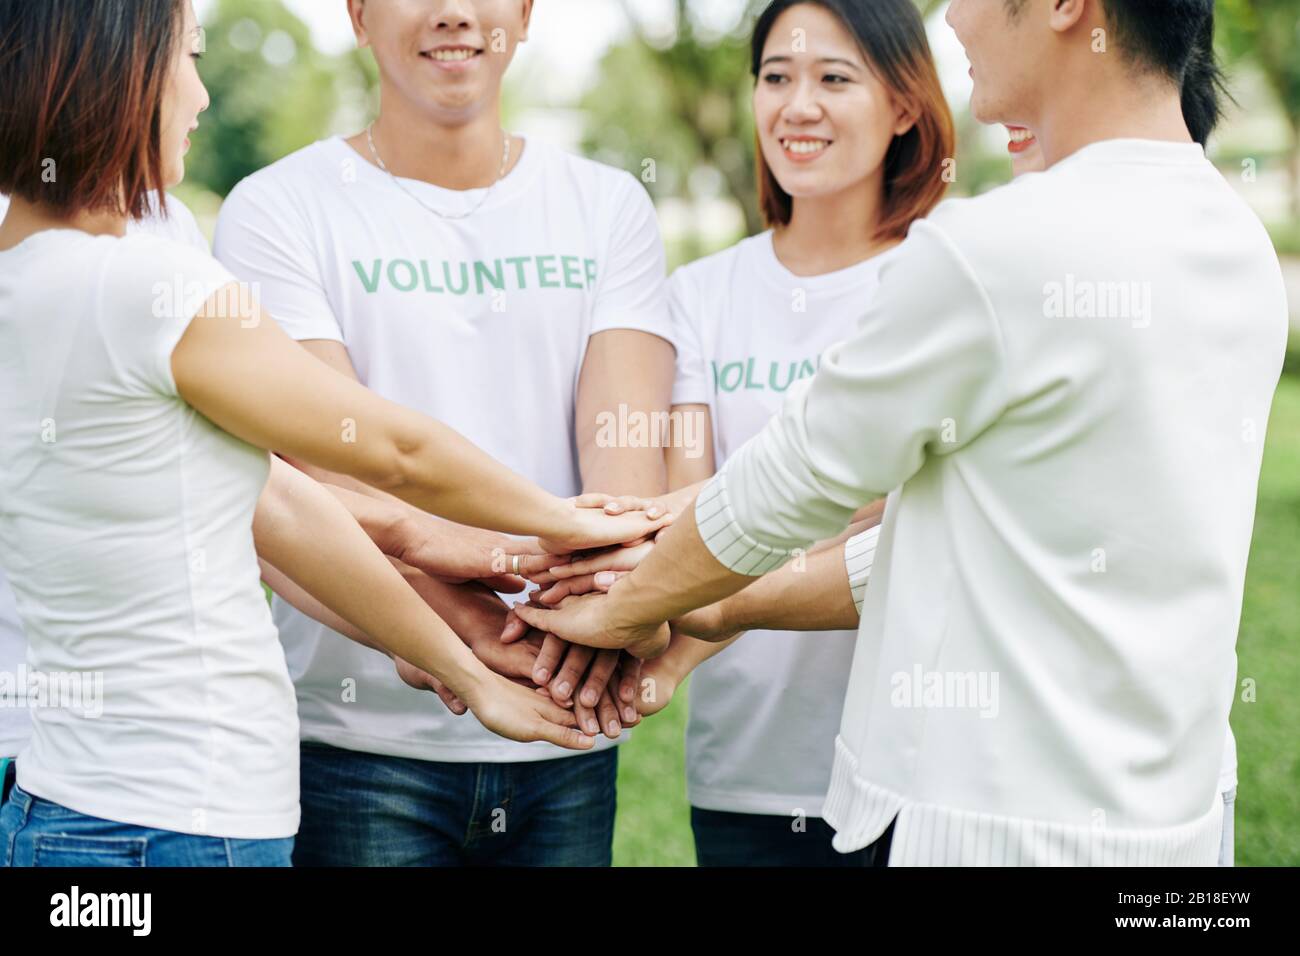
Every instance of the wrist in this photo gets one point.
(621, 614)
(557, 520)
(469, 679)
(729, 617)
(400, 533)
(677, 661)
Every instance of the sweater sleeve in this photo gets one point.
(923, 376)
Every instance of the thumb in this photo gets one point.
(514, 628)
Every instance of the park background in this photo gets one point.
(661, 88)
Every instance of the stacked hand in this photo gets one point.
(596, 688)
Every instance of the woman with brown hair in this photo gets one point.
(853, 134)
(141, 387)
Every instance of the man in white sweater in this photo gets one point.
(1068, 382)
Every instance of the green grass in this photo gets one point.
(653, 826)
(1268, 793)
(1286, 237)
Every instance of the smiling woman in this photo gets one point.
(873, 58)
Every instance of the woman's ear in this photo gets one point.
(905, 117)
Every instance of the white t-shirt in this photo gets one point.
(481, 323)
(15, 724)
(764, 712)
(126, 526)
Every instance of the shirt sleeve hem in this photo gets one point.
(649, 325)
(326, 332)
(726, 540)
(859, 557)
(687, 393)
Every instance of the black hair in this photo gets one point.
(1203, 86)
(1160, 35)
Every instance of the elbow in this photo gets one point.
(401, 465)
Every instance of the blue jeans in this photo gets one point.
(36, 832)
(758, 839)
(361, 809)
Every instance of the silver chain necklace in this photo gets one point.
(505, 161)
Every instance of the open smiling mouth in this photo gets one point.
(1021, 139)
(452, 55)
(804, 148)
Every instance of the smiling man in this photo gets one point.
(517, 293)
(1075, 496)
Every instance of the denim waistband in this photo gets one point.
(19, 797)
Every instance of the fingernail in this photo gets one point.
(589, 697)
(629, 714)
(614, 728)
(564, 689)
(540, 675)
(606, 578)
(593, 728)
(613, 509)
(653, 513)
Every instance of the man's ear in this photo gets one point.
(357, 13)
(1067, 14)
(528, 19)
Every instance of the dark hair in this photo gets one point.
(892, 37)
(83, 84)
(1160, 35)
(1203, 88)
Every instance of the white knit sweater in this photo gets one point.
(1068, 382)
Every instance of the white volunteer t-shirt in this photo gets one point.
(127, 533)
(764, 712)
(482, 323)
(15, 724)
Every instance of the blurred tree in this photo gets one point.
(675, 110)
(272, 91)
(1268, 33)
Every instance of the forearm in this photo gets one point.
(384, 519)
(679, 575)
(335, 479)
(300, 529)
(689, 455)
(626, 382)
(685, 653)
(808, 594)
(449, 476)
(296, 597)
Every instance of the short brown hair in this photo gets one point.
(892, 36)
(81, 114)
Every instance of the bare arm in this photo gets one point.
(689, 455)
(633, 370)
(236, 367)
(305, 533)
